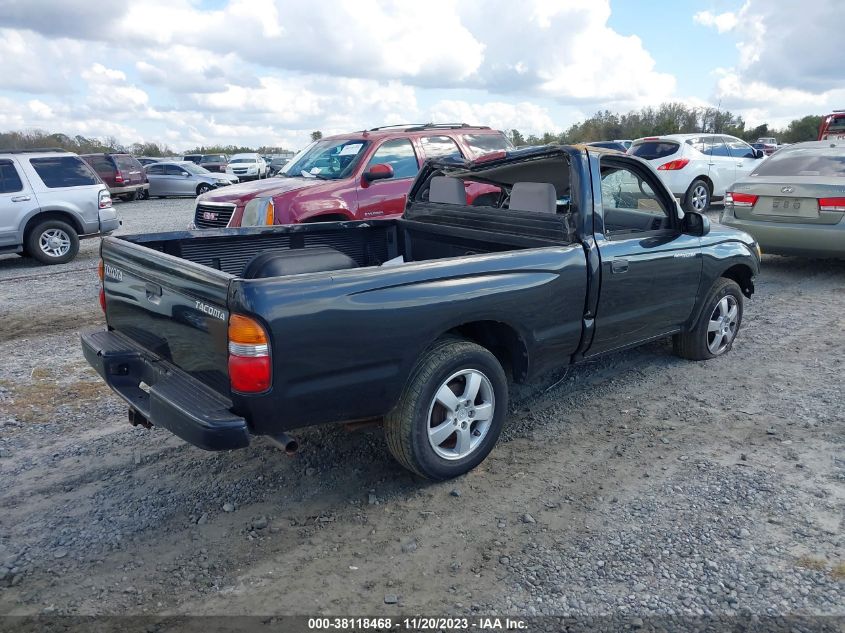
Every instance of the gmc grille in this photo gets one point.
(212, 216)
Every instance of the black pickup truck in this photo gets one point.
(569, 252)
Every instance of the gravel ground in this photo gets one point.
(636, 485)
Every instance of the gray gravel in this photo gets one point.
(636, 485)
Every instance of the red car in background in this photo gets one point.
(354, 176)
(833, 126)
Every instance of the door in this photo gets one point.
(387, 197)
(722, 166)
(650, 270)
(157, 180)
(17, 200)
(744, 158)
(178, 183)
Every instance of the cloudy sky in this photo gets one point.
(256, 72)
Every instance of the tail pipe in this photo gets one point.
(285, 442)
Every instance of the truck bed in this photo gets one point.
(341, 339)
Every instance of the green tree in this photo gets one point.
(316, 135)
(803, 129)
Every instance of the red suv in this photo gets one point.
(122, 174)
(346, 177)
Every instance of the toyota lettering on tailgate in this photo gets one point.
(209, 215)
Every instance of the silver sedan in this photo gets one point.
(794, 202)
(184, 178)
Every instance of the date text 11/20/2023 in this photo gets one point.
(419, 623)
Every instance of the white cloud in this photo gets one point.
(723, 22)
(789, 60)
(526, 117)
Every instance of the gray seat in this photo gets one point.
(533, 196)
(447, 190)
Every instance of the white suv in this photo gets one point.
(248, 166)
(48, 200)
(698, 168)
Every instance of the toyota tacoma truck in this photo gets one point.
(418, 322)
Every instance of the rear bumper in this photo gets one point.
(117, 191)
(170, 399)
(782, 238)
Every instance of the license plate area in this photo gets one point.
(789, 207)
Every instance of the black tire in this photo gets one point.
(407, 427)
(203, 187)
(698, 343)
(698, 197)
(142, 194)
(48, 229)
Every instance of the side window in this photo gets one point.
(10, 181)
(63, 171)
(102, 165)
(718, 147)
(399, 154)
(485, 143)
(630, 204)
(155, 170)
(435, 146)
(173, 170)
(739, 149)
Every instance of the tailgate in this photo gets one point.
(172, 307)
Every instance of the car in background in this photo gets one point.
(147, 160)
(217, 163)
(768, 145)
(833, 126)
(248, 166)
(276, 164)
(794, 202)
(49, 200)
(184, 178)
(614, 145)
(355, 176)
(698, 168)
(625, 142)
(123, 174)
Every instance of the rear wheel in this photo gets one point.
(52, 242)
(697, 198)
(451, 412)
(717, 327)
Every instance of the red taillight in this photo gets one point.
(118, 177)
(249, 355)
(101, 275)
(746, 200)
(103, 299)
(674, 165)
(831, 204)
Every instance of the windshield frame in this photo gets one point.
(194, 169)
(315, 149)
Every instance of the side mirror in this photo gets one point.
(758, 153)
(696, 224)
(186, 174)
(380, 171)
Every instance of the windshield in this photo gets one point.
(326, 159)
(243, 160)
(213, 158)
(803, 162)
(195, 169)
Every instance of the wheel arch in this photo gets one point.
(743, 276)
(501, 340)
(64, 216)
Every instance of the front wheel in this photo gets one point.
(451, 412)
(203, 188)
(697, 198)
(717, 326)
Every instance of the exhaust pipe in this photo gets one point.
(285, 442)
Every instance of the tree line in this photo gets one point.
(670, 118)
(667, 118)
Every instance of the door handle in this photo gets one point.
(619, 265)
(21, 198)
(739, 164)
(711, 164)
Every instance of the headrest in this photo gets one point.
(533, 196)
(447, 190)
